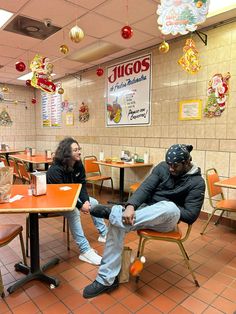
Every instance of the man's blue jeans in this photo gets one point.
(77, 229)
(162, 216)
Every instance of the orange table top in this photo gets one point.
(227, 183)
(37, 159)
(55, 200)
(11, 150)
(123, 165)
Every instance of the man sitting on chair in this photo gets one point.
(173, 192)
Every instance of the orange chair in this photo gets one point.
(7, 233)
(133, 187)
(173, 236)
(23, 171)
(4, 160)
(93, 173)
(16, 173)
(222, 204)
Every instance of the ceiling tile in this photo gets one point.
(12, 6)
(88, 4)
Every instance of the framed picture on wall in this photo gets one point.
(190, 109)
(69, 118)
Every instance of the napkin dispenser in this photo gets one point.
(38, 183)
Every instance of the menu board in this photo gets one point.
(51, 109)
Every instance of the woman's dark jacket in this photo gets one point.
(57, 174)
(186, 191)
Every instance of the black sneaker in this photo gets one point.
(101, 211)
(96, 288)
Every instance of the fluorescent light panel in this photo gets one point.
(28, 76)
(219, 6)
(4, 16)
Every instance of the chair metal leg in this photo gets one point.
(68, 235)
(100, 190)
(206, 224)
(64, 224)
(23, 248)
(93, 189)
(141, 245)
(218, 220)
(2, 294)
(186, 259)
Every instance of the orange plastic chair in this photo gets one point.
(93, 173)
(23, 171)
(4, 160)
(225, 205)
(7, 233)
(16, 173)
(133, 187)
(173, 236)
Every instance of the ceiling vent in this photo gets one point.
(94, 52)
(28, 27)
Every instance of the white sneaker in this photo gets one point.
(102, 238)
(91, 257)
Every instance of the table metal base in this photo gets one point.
(39, 274)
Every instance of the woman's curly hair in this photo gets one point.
(63, 152)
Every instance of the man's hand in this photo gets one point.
(86, 207)
(128, 215)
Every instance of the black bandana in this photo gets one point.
(178, 153)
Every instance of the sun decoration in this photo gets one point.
(76, 34)
(164, 47)
(190, 60)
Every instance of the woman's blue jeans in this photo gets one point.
(77, 229)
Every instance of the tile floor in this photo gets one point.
(165, 285)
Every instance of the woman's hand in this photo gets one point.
(86, 207)
(128, 216)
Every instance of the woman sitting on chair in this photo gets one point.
(67, 167)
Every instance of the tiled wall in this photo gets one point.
(22, 113)
(214, 140)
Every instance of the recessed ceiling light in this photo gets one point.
(4, 16)
(31, 28)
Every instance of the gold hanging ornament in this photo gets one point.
(5, 89)
(76, 34)
(64, 49)
(164, 47)
(60, 91)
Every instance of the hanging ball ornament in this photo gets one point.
(199, 4)
(76, 34)
(164, 47)
(28, 82)
(5, 89)
(64, 49)
(20, 66)
(126, 32)
(60, 91)
(16, 102)
(100, 72)
(33, 100)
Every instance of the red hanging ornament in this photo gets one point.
(33, 100)
(126, 32)
(28, 82)
(20, 66)
(100, 72)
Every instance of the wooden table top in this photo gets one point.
(119, 164)
(227, 183)
(37, 159)
(55, 200)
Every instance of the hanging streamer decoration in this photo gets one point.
(83, 113)
(190, 60)
(42, 70)
(217, 93)
(181, 16)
